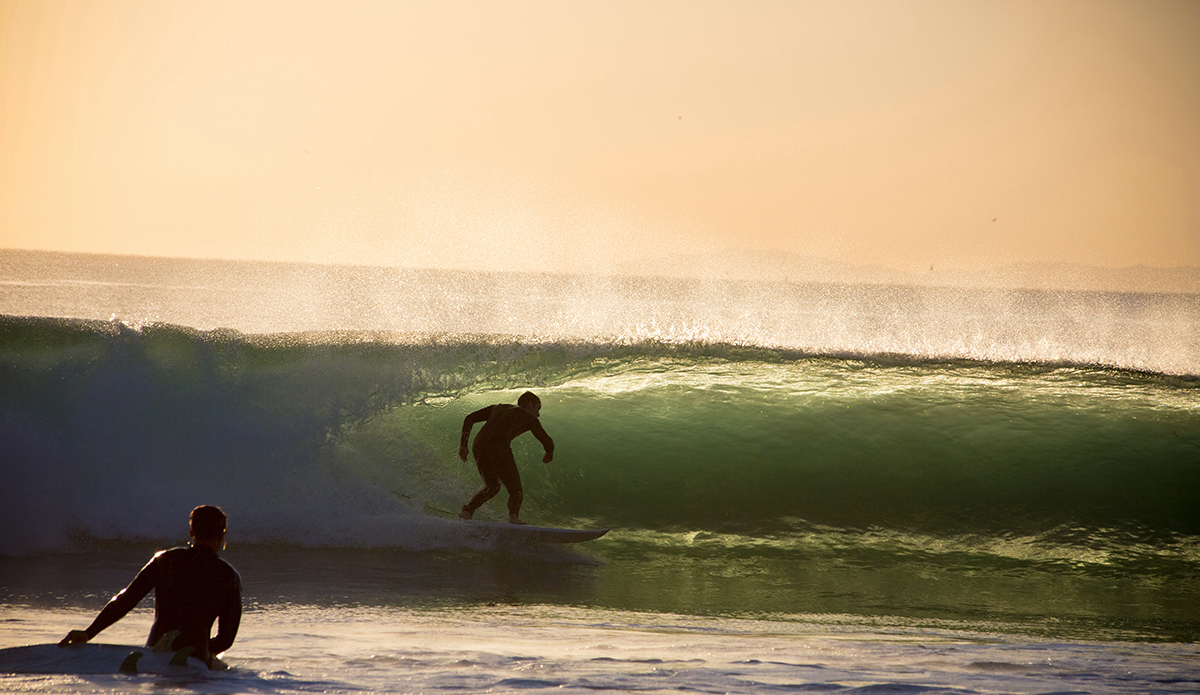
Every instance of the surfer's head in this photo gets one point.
(207, 523)
(529, 401)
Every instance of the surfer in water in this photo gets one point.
(502, 423)
(192, 589)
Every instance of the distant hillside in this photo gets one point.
(765, 266)
(772, 266)
(1138, 278)
(17, 264)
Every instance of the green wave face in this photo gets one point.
(747, 446)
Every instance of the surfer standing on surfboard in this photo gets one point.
(502, 423)
(192, 589)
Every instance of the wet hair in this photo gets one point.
(528, 400)
(208, 523)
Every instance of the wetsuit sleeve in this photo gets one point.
(471, 420)
(540, 432)
(229, 619)
(128, 597)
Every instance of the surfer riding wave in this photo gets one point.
(502, 423)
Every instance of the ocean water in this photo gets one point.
(811, 487)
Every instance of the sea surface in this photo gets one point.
(811, 487)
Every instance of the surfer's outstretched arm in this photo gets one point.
(117, 607)
(469, 421)
(547, 443)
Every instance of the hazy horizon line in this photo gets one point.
(749, 265)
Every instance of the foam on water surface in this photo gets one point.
(520, 648)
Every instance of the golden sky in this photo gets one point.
(581, 136)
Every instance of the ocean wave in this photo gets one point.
(349, 437)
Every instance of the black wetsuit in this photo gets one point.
(502, 423)
(192, 588)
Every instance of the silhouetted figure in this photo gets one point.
(502, 423)
(192, 589)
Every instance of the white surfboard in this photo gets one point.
(91, 658)
(523, 533)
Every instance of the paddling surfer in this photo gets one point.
(192, 589)
(502, 423)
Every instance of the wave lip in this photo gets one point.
(1143, 331)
